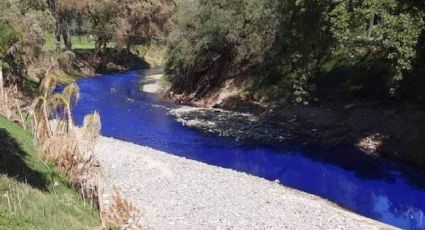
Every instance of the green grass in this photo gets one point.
(164, 81)
(152, 54)
(66, 79)
(78, 42)
(344, 76)
(32, 194)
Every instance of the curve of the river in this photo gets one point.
(363, 185)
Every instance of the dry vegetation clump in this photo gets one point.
(89, 132)
(55, 133)
(70, 149)
(122, 213)
(10, 105)
(66, 61)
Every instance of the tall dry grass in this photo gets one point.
(71, 150)
(59, 139)
(122, 213)
(67, 147)
(11, 104)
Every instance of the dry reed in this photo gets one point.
(122, 213)
(71, 150)
(10, 105)
(68, 148)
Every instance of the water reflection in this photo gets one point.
(357, 182)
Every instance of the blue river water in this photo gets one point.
(370, 187)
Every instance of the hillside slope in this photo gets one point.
(33, 195)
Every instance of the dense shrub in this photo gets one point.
(216, 40)
(286, 43)
(8, 37)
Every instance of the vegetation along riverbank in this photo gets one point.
(346, 72)
(312, 72)
(34, 194)
(49, 44)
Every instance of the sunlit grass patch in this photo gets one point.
(78, 42)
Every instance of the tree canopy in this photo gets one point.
(25, 24)
(288, 42)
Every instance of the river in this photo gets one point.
(369, 187)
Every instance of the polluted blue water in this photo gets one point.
(391, 194)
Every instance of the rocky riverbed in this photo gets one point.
(379, 130)
(176, 193)
(375, 130)
(151, 84)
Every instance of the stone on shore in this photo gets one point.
(176, 193)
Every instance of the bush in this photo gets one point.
(287, 42)
(67, 60)
(8, 37)
(217, 40)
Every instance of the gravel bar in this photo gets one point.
(176, 193)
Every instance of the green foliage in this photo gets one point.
(288, 42)
(8, 37)
(400, 35)
(285, 40)
(153, 54)
(65, 79)
(305, 40)
(222, 38)
(127, 22)
(83, 42)
(389, 26)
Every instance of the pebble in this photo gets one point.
(176, 193)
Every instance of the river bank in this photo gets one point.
(381, 130)
(369, 187)
(378, 131)
(174, 192)
(35, 195)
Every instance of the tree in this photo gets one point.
(213, 41)
(21, 41)
(7, 38)
(62, 21)
(129, 22)
(390, 26)
(103, 14)
(304, 40)
(139, 22)
(65, 12)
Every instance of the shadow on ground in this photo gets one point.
(13, 164)
(111, 60)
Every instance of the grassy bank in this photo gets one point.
(78, 42)
(33, 195)
(85, 61)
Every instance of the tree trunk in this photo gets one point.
(58, 35)
(52, 4)
(1, 79)
(66, 33)
(371, 26)
(99, 47)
